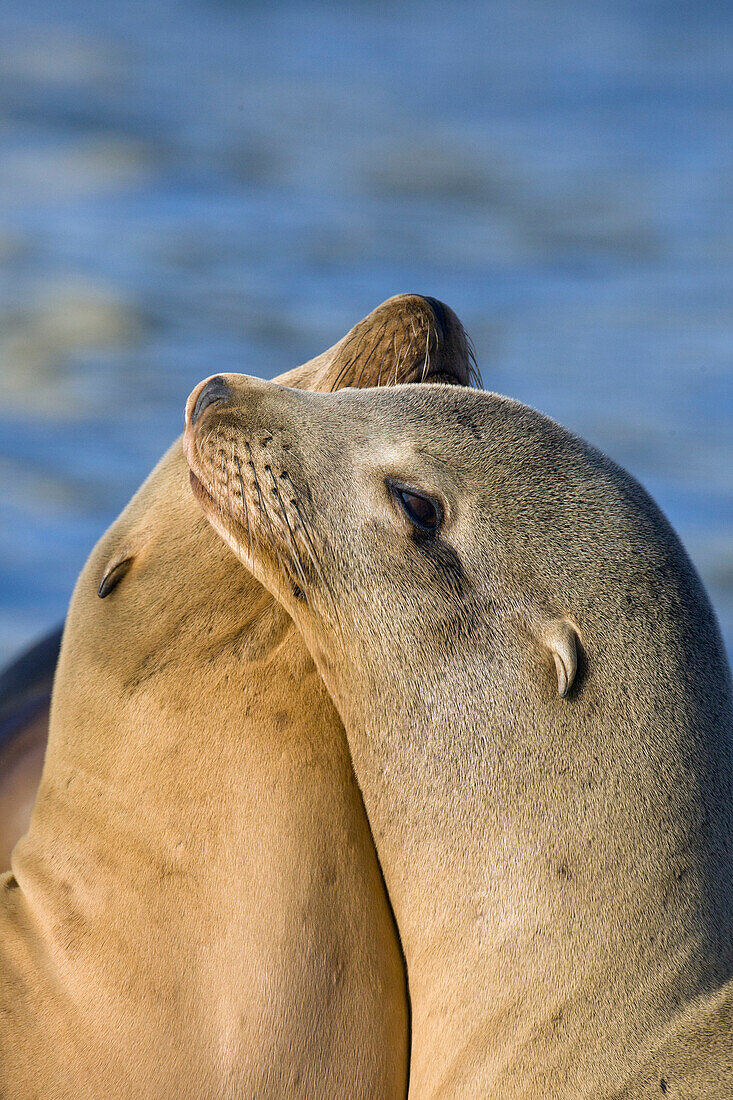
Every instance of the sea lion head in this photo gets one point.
(154, 590)
(398, 521)
(442, 528)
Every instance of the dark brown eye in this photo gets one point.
(420, 510)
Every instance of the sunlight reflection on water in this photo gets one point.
(190, 187)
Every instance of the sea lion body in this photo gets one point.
(197, 909)
(227, 927)
(538, 706)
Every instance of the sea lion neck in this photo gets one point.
(177, 693)
(198, 855)
(589, 863)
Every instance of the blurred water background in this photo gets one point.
(191, 186)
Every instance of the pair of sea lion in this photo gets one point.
(538, 708)
(197, 909)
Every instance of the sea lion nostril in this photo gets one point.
(439, 312)
(213, 393)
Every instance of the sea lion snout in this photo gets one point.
(212, 391)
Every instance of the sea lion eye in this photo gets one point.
(421, 510)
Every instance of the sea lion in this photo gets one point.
(197, 909)
(538, 707)
(25, 704)
(25, 685)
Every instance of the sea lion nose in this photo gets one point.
(213, 392)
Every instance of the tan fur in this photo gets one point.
(392, 344)
(538, 707)
(197, 910)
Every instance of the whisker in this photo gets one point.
(342, 373)
(347, 366)
(244, 505)
(265, 513)
(313, 555)
(370, 356)
(398, 357)
(426, 363)
(216, 487)
(381, 361)
(474, 374)
(291, 537)
(404, 360)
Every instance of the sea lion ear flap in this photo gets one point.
(113, 574)
(561, 639)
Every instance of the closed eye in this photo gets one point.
(421, 510)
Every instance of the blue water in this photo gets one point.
(189, 186)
